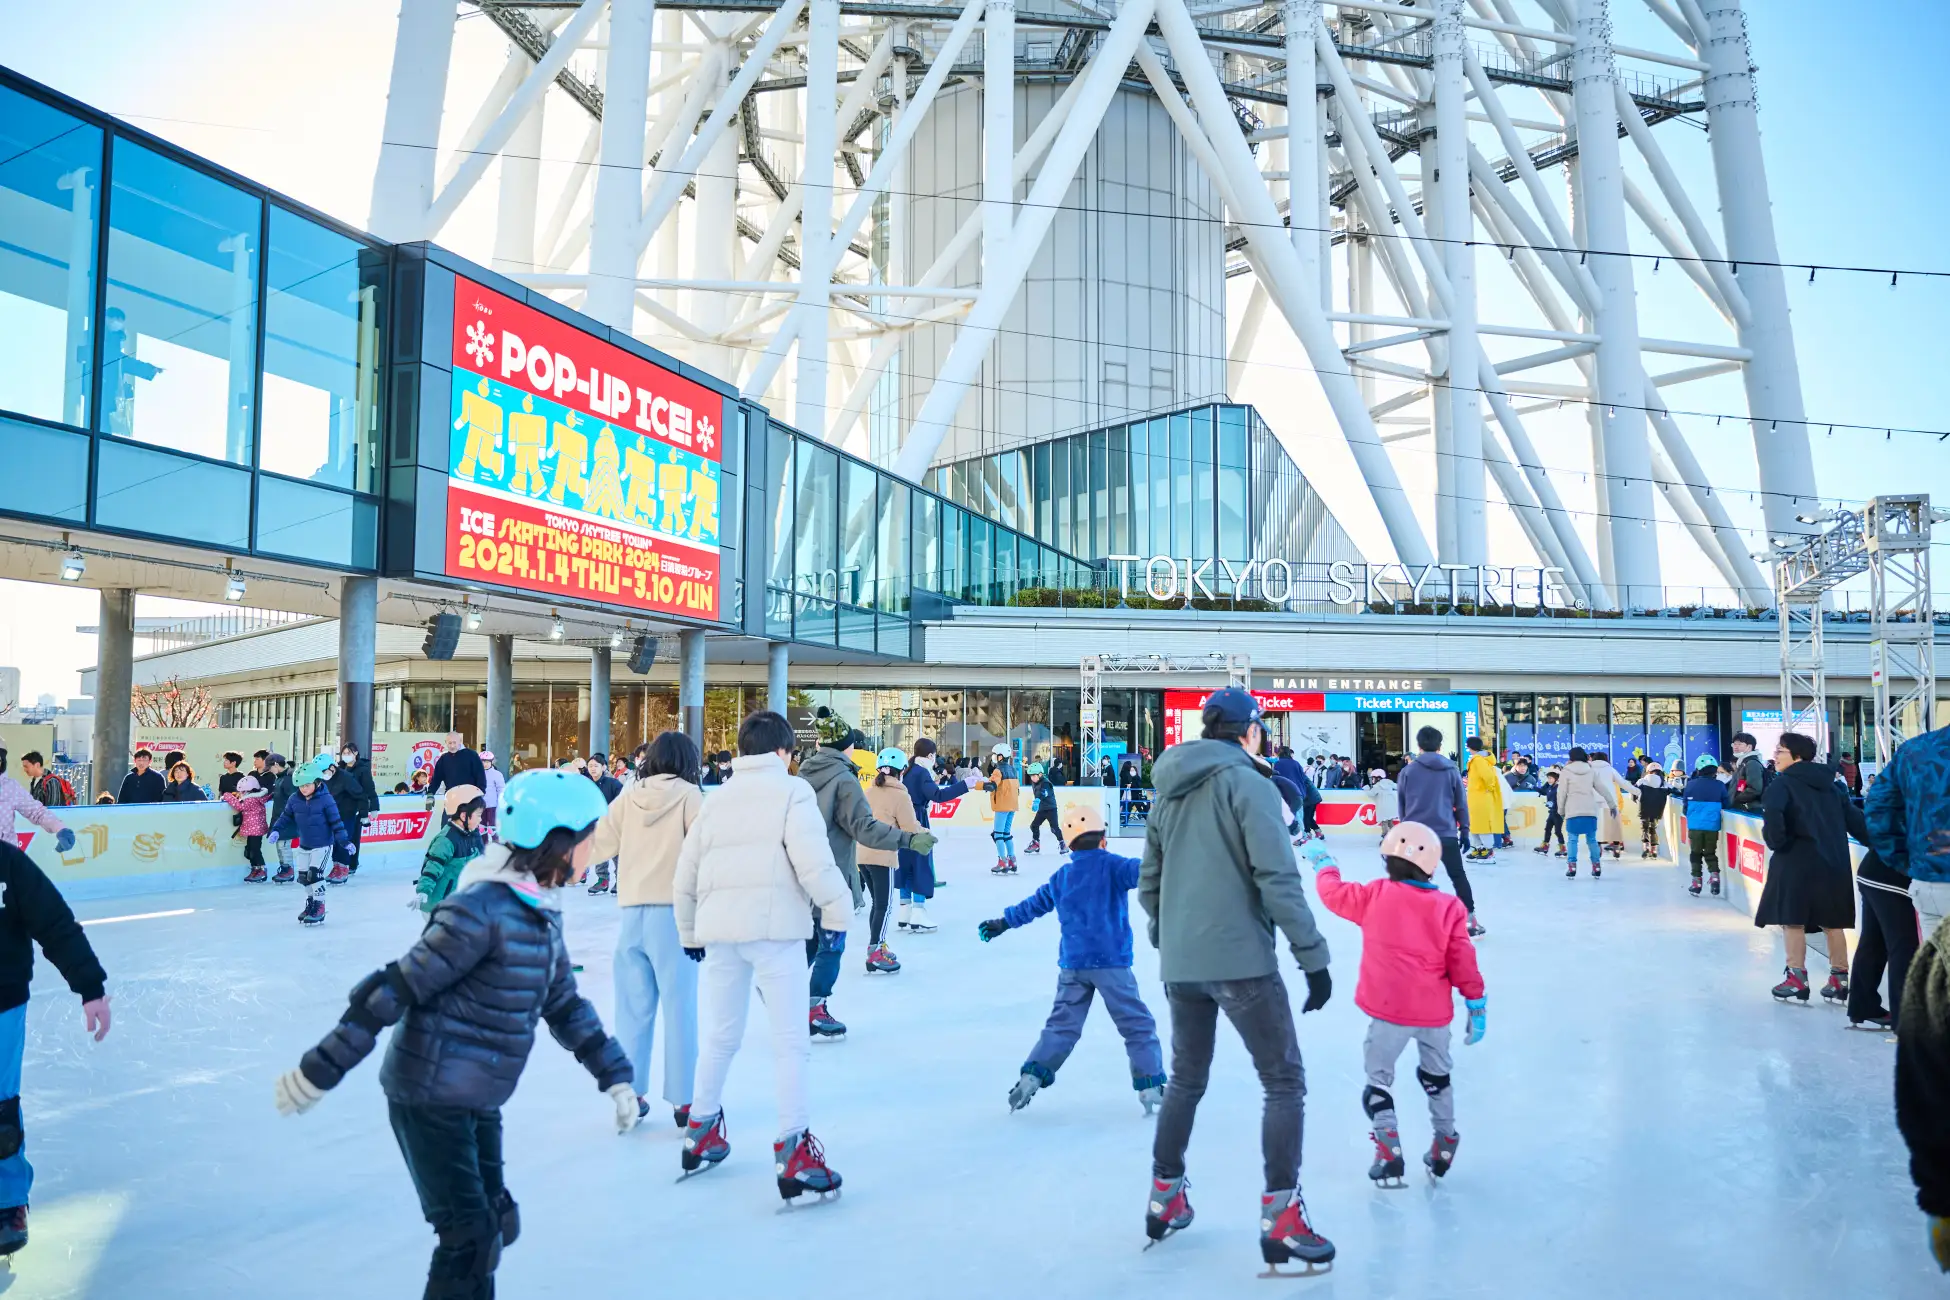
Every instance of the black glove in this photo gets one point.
(989, 929)
(695, 954)
(1320, 987)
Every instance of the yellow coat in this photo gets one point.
(1485, 796)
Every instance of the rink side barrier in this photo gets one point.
(148, 848)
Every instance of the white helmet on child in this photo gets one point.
(1001, 749)
(1414, 842)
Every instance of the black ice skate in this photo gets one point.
(314, 913)
(1285, 1235)
(256, 876)
(285, 875)
(682, 1115)
(1694, 888)
(704, 1145)
(821, 1025)
(1389, 1168)
(1441, 1154)
(13, 1233)
(801, 1166)
(1598, 867)
(1835, 991)
(1169, 1209)
(881, 960)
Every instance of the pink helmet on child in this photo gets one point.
(1415, 843)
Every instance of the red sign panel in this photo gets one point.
(1749, 857)
(513, 343)
(516, 544)
(396, 827)
(1269, 701)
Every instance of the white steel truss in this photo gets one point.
(742, 186)
(1238, 670)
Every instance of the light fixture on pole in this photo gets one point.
(616, 639)
(556, 631)
(73, 565)
(473, 619)
(233, 590)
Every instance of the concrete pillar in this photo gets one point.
(776, 656)
(358, 633)
(690, 683)
(114, 666)
(599, 700)
(501, 701)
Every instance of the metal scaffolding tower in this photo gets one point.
(1238, 670)
(1902, 646)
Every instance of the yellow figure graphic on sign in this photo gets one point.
(704, 511)
(670, 488)
(571, 460)
(643, 487)
(527, 435)
(605, 494)
(482, 420)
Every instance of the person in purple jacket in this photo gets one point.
(1090, 895)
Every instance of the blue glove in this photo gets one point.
(832, 940)
(1317, 853)
(1478, 1020)
(64, 841)
(989, 929)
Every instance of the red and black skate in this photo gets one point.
(704, 1144)
(1169, 1209)
(1836, 989)
(1285, 1235)
(881, 960)
(801, 1165)
(1795, 986)
(13, 1229)
(1441, 1154)
(285, 875)
(683, 1117)
(338, 874)
(257, 876)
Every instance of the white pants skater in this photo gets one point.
(724, 999)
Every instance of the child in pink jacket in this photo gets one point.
(248, 800)
(1415, 947)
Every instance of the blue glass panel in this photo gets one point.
(156, 492)
(179, 342)
(322, 349)
(50, 204)
(46, 471)
(311, 523)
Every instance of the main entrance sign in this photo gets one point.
(577, 468)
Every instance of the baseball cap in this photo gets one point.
(1081, 819)
(1232, 705)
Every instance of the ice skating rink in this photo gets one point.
(1642, 1121)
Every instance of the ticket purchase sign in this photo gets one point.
(576, 468)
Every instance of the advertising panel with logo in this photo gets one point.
(576, 468)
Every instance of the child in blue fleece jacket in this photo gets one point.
(1090, 895)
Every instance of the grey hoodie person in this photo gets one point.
(1432, 794)
(1218, 875)
(843, 805)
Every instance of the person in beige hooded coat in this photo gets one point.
(752, 869)
(644, 831)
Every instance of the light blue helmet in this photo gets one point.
(310, 774)
(325, 760)
(893, 756)
(544, 799)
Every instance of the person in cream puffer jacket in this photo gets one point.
(644, 830)
(755, 864)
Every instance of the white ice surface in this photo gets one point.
(1641, 1121)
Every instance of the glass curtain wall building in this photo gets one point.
(1209, 482)
(188, 357)
(851, 545)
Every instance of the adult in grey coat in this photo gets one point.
(1218, 880)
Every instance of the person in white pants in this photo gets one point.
(754, 866)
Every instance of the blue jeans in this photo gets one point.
(1585, 828)
(16, 1175)
(1075, 990)
(1003, 835)
(825, 965)
(651, 972)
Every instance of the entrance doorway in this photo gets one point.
(1380, 738)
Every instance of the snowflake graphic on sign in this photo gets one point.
(707, 433)
(480, 344)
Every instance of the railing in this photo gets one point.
(214, 627)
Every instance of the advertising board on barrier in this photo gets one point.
(577, 468)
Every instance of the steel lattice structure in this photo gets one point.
(1238, 670)
(862, 206)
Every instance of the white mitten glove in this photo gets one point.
(295, 1093)
(626, 1108)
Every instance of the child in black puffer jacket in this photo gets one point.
(466, 998)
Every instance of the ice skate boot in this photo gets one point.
(1475, 927)
(1598, 866)
(682, 1114)
(907, 910)
(917, 920)
(801, 1166)
(1543, 848)
(1835, 991)
(1571, 872)
(1389, 1168)
(821, 1025)
(285, 875)
(1617, 849)
(1441, 1154)
(1012, 864)
(1560, 851)
(314, 912)
(338, 874)
(1035, 846)
(1169, 1209)
(1713, 882)
(1795, 986)
(704, 1144)
(880, 960)
(600, 885)
(1033, 1077)
(1285, 1235)
(1694, 888)
(257, 876)
(13, 1231)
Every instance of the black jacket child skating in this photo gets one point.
(466, 999)
(32, 911)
